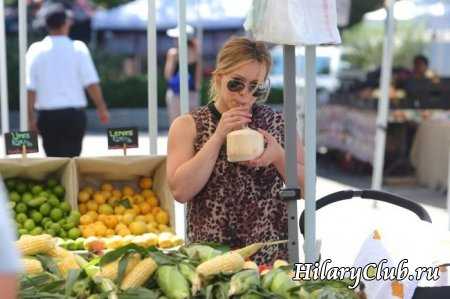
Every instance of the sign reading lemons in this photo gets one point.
(20, 142)
(120, 137)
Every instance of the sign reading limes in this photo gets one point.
(21, 142)
(122, 138)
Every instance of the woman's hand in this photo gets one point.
(231, 120)
(272, 153)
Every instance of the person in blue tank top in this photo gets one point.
(172, 75)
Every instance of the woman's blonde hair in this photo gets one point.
(235, 52)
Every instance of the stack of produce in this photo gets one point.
(194, 271)
(112, 211)
(39, 207)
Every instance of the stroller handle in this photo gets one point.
(368, 194)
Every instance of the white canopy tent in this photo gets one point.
(215, 14)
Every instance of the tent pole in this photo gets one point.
(184, 92)
(291, 150)
(383, 102)
(22, 64)
(3, 72)
(310, 154)
(152, 75)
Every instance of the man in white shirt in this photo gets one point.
(58, 72)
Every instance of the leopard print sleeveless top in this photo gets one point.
(240, 205)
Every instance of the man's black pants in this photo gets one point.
(62, 131)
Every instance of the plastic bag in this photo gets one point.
(294, 22)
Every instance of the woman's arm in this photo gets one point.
(171, 60)
(188, 173)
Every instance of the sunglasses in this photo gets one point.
(256, 90)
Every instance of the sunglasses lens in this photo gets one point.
(235, 85)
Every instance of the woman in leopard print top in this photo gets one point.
(232, 203)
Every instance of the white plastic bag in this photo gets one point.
(294, 22)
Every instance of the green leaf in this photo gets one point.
(125, 203)
(115, 254)
(123, 263)
(49, 264)
(138, 293)
(72, 277)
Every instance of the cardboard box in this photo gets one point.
(40, 169)
(121, 170)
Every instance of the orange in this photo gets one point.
(102, 217)
(140, 218)
(124, 232)
(136, 209)
(109, 232)
(147, 193)
(106, 194)
(82, 207)
(138, 198)
(88, 231)
(92, 205)
(106, 187)
(116, 193)
(93, 215)
(83, 196)
(120, 226)
(145, 207)
(86, 219)
(127, 191)
(145, 183)
(119, 210)
(152, 228)
(153, 201)
(137, 227)
(162, 217)
(149, 218)
(88, 189)
(111, 221)
(99, 198)
(127, 218)
(155, 210)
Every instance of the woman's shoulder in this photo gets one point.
(266, 111)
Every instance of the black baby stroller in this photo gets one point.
(421, 292)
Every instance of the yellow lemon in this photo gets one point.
(162, 217)
(106, 187)
(83, 196)
(145, 183)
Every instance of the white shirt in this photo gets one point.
(58, 69)
(9, 256)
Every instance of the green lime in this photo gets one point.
(22, 232)
(12, 204)
(21, 187)
(44, 194)
(74, 233)
(59, 190)
(53, 201)
(80, 243)
(74, 217)
(37, 231)
(14, 196)
(56, 214)
(26, 197)
(69, 225)
(65, 206)
(36, 189)
(21, 218)
(10, 184)
(21, 208)
(45, 209)
(55, 226)
(29, 224)
(52, 182)
(50, 231)
(62, 234)
(45, 220)
(36, 216)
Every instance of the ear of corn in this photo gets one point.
(226, 263)
(31, 245)
(281, 282)
(172, 282)
(202, 252)
(111, 270)
(32, 266)
(242, 281)
(280, 263)
(250, 265)
(139, 274)
(249, 250)
(188, 271)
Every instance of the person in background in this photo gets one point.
(233, 203)
(421, 70)
(10, 265)
(172, 75)
(58, 70)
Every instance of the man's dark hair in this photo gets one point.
(421, 58)
(56, 16)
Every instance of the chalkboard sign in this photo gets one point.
(16, 141)
(120, 137)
